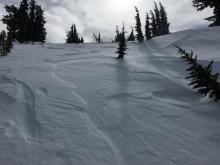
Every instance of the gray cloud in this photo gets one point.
(103, 15)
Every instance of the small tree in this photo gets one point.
(82, 40)
(5, 43)
(131, 37)
(122, 45)
(147, 27)
(215, 4)
(139, 35)
(201, 77)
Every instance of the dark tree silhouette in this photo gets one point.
(147, 27)
(39, 33)
(157, 18)
(72, 35)
(215, 4)
(122, 45)
(131, 37)
(5, 43)
(153, 24)
(32, 16)
(11, 20)
(139, 35)
(23, 22)
(164, 20)
(202, 78)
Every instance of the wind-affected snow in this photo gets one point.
(78, 105)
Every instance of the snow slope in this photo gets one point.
(77, 105)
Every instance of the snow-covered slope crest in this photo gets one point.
(66, 104)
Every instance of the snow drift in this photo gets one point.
(76, 104)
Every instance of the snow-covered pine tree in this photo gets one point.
(139, 36)
(157, 19)
(153, 25)
(122, 45)
(215, 4)
(202, 79)
(131, 37)
(165, 25)
(147, 27)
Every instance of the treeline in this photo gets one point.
(25, 23)
(156, 24)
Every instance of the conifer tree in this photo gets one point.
(39, 31)
(201, 77)
(5, 43)
(23, 22)
(131, 37)
(153, 24)
(139, 35)
(72, 35)
(122, 45)
(11, 20)
(82, 40)
(99, 40)
(215, 4)
(164, 20)
(157, 19)
(32, 16)
(147, 27)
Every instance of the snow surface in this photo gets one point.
(77, 105)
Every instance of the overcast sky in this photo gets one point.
(103, 15)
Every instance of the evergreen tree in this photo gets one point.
(131, 37)
(147, 27)
(39, 31)
(153, 27)
(72, 35)
(215, 4)
(201, 77)
(5, 43)
(31, 28)
(164, 20)
(99, 40)
(122, 45)
(117, 35)
(82, 40)
(23, 22)
(139, 35)
(11, 20)
(157, 19)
